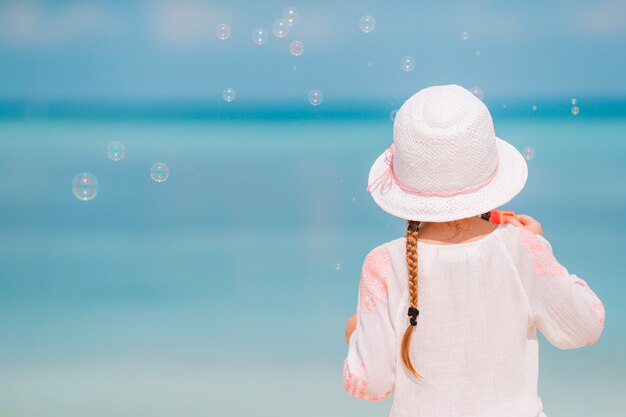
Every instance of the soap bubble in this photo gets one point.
(338, 267)
(229, 94)
(116, 150)
(465, 35)
(407, 63)
(573, 101)
(575, 110)
(367, 23)
(534, 107)
(529, 153)
(159, 172)
(222, 31)
(478, 92)
(280, 28)
(291, 16)
(259, 36)
(353, 199)
(393, 114)
(85, 186)
(296, 48)
(316, 97)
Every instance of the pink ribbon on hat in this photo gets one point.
(388, 177)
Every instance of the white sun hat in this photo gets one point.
(445, 162)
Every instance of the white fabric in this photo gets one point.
(445, 141)
(475, 343)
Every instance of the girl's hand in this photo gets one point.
(350, 327)
(525, 221)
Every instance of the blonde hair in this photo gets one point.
(412, 232)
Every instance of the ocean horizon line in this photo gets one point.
(596, 107)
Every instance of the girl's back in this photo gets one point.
(476, 345)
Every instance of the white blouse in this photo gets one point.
(475, 343)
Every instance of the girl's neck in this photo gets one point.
(457, 231)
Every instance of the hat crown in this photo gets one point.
(444, 140)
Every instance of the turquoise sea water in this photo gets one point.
(218, 292)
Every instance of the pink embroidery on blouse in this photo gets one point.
(544, 262)
(600, 311)
(373, 285)
(599, 307)
(352, 380)
(355, 383)
(580, 282)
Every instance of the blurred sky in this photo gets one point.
(167, 50)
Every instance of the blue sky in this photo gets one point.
(168, 51)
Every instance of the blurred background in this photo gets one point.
(183, 214)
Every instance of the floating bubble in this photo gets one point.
(296, 48)
(477, 53)
(259, 36)
(85, 186)
(407, 63)
(573, 101)
(478, 92)
(393, 114)
(575, 110)
(367, 23)
(229, 94)
(222, 31)
(294, 68)
(353, 198)
(465, 35)
(291, 16)
(534, 107)
(338, 267)
(159, 172)
(280, 28)
(316, 97)
(116, 150)
(504, 106)
(528, 153)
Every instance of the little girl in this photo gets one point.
(447, 321)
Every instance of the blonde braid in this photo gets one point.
(411, 259)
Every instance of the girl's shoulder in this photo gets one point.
(524, 246)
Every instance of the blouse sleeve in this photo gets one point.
(566, 310)
(369, 367)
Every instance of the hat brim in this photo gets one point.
(506, 184)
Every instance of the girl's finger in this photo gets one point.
(512, 220)
(527, 220)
